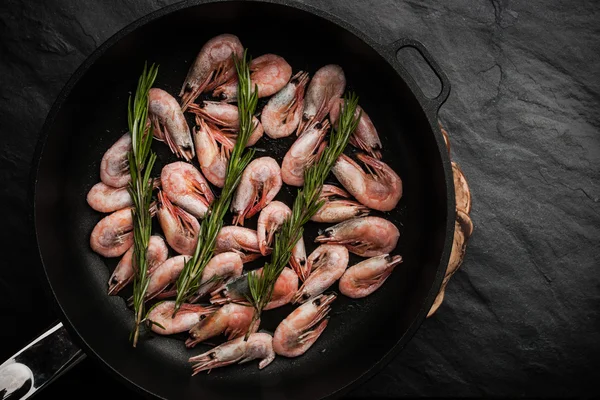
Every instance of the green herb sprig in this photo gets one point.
(141, 162)
(306, 204)
(188, 282)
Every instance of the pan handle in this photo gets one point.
(435, 103)
(38, 364)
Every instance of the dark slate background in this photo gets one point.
(522, 317)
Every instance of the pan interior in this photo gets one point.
(93, 117)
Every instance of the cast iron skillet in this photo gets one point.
(90, 115)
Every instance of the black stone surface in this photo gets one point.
(522, 317)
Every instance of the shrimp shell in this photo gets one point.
(365, 236)
(365, 136)
(212, 67)
(327, 264)
(113, 235)
(220, 269)
(379, 189)
(241, 240)
(257, 346)
(114, 167)
(281, 116)
(164, 321)
(301, 329)
(156, 254)
(233, 320)
(180, 228)
(169, 123)
(213, 151)
(367, 276)
(165, 274)
(303, 153)
(326, 86)
(270, 220)
(106, 199)
(185, 186)
(269, 73)
(259, 184)
(337, 210)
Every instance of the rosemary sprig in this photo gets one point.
(188, 282)
(306, 204)
(141, 161)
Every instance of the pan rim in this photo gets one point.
(379, 49)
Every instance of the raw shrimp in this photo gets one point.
(233, 320)
(163, 322)
(379, 189)
(461, 188)
(180, 227)
(213, 150)
(259, 184)
(365, 236)
(463, 229)
(185, 186)
(270, 220)
(114, 167)
(298, 260)
(104, 198)
(220, 269)
(365, 135)
(238, 290)
(327, 264)
(226, 117)
(169, 123)
(258, 346)
(337, 207)
(367, 276)
(301, 329)
(241, 240)
(165, 274)
(213, 66)
(303, 153)
(326, 86)
(281, 116)
(113, 235)
(269, 73)
(156, 254)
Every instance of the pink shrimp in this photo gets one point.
(213, 150)
(165, 274)
(269, 73)
(379, 189)
(241, 240)
(114, 167)
(169, 123)
(260, 183)
(218, 271)
(303, 153)
(226, 117)
(326, 86)
(163, 322)
(301, 329)
(298, 260)
(258, 346)
(281, 116)
(104, 198)
(238, 290)
(270, 220)
(367, 276)
(185, 186)
(337, 207)
(113, 235)
(365, 136)
(156, 254)
(327, 264)
(233, 320)
(213, 66)
(365, 236)
(180, 227)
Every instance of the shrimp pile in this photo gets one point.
(353, 254)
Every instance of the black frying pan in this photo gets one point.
(90, 115)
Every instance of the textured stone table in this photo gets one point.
(522, 316)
